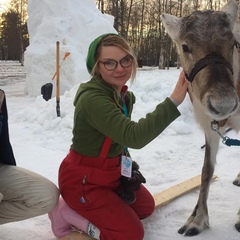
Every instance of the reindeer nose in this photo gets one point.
(223, 107)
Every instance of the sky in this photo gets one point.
(3, 5)
(41, 140)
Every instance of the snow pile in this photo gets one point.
(74, 24)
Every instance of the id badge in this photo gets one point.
(126, 166)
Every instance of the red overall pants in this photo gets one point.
(89, 186)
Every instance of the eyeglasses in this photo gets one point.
(111, 64)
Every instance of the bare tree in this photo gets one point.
(20, 8)
(101, 5)
(138, 21)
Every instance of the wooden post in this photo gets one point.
(58, 78)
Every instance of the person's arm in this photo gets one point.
(6, 152)
(104, 116)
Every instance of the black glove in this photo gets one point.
(130, 185)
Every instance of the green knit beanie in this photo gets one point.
(92, 51)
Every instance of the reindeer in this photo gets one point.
(207, 43)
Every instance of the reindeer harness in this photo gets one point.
(214, 58)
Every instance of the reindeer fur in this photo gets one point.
(215, 89)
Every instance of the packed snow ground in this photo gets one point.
(41, 140)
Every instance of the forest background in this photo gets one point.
(138, 21)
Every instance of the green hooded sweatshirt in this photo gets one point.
(99, 113)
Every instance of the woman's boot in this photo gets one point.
(67, 223)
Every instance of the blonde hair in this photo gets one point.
(116, 41)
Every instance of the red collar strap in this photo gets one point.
(124, 89)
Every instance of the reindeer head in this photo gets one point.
(206, 47)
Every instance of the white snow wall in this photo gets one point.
(74, 23)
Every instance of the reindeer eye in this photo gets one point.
(185, 48)
(236, 44)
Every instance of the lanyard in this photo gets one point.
(125, 111)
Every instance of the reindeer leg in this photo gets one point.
(184, 228)
(199, 220)
(237, 225)
(237, 180)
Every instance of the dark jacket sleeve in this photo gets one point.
(6, 152)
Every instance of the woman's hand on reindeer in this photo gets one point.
(180, 89)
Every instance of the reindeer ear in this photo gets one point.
(231, 9)
(171, 24)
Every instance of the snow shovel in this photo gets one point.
(46, 89)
